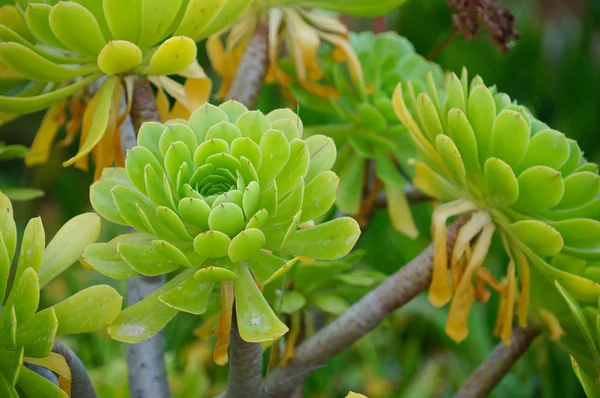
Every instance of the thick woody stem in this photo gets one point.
(245, 367)
(498, 364)
(250, 75)
(81, 385)
(364, 316)
(146, 360)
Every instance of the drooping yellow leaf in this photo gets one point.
(456, 326)
(109, 92)
(220, 355)
(53, 120)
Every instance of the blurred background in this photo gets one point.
(554, 69)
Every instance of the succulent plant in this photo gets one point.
(370, 131)
(215, 196)
(52, 51)
(509, 175)
(26, 335)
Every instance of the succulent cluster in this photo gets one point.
(26, 335)
(216, 196)
(371, 131)
(509, 173)
(52, 51)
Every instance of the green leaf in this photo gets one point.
(34, 385)
(546, 148)
(296, 167)
(330, 303)
(32, 65)
(589, 385)
(204, 118)
(10, 366)
(145, 259)
(482, 112)
(6, 390)
(89, 310)
(30, 104)
(253, 124)
(538, 236)
(146, 318)
(246, 244)
(351, 183)
(540, 188)
(38, 333)
(501, 183)
(319, 195)
(8, 328)
(67, 245)
(233, 109)
(293, 301)
(76, 27)
(276, 153)
(322, 155)
(510, 137)
(189, 296)
(10, 152)
(256, 321)
(581, 322)
(8, 233)
(328, 241)
(105, 258)
(22, 194)
(32, 247)
(212, 244)
(24, 296)
(103, 202)
(580, 188)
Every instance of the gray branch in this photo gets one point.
(146, 360)
(81, 385)
(498, 364)
(250, 75)
(245, 367)
(364, 316)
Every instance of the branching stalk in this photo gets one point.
(81, 385)
(364, 316)
(498, 364)
(250, 75)
(245, 367)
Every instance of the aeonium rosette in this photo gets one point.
(216, 197)
(510, 176)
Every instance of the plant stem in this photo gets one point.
(443, 45)
(364, 316)
(81, 385)
(413, 196)
(498, 364)
(250, 75)
(146, 360)
(245, 367)
(245, 359)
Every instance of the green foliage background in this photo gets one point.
(554, 69)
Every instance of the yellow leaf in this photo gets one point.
(456, 326)
(40, 149)
(109, 92)
(355, 395)
(76, 109)
(58, 365)
(224, 328)
(556, 331)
